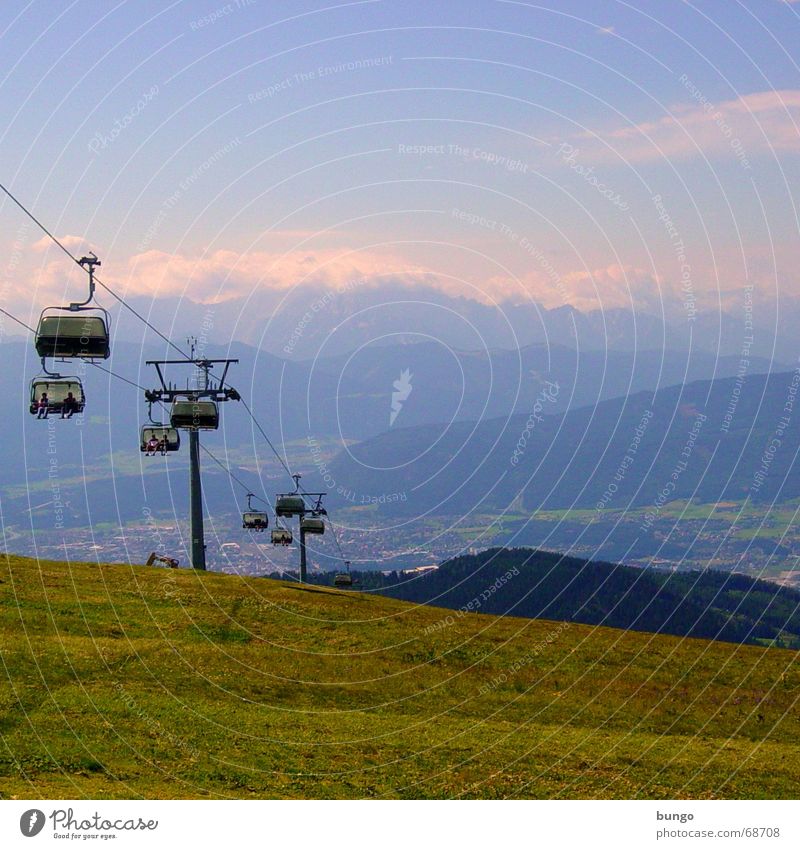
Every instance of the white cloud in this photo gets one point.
(750, 125)
(224, 274)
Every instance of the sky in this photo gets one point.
(640, 155)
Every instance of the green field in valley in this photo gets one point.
(122, 682)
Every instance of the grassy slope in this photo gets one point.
(125, 681)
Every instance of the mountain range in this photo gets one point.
(545, 585)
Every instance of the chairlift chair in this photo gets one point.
(194, 414)
(344, 579)
(312, 525)
(254, 520)
(73, 335)
(169, 438)
(290, 505)
(79, 330)
(282, 536)
(57, 389)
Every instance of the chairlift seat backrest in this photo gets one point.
(312, 525)
(290, 505)
(194, 415)
(77, 335)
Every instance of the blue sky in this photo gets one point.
(499, 149)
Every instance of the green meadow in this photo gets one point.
(128, 682)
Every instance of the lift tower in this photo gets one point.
(288, 504)
(194, 409)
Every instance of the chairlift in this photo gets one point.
(254, 520)
(312, 525)
(194, 414)
(290, 505)
(73, 336)
(343, 579)
(281, 536)
(166, 439)
(62, 395)
(77, 331)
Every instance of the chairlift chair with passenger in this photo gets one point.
(168, 438)
(282, 536)
(57, 390)
(254, 520)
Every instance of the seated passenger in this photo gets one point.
(69, 406)
(44, 406)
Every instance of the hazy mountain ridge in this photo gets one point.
(640, 450)
(547, 585)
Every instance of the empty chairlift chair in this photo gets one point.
(73, 334)
(61, 395)
(312, 525)
(194, 415)
(168, 438)
(290, 505)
